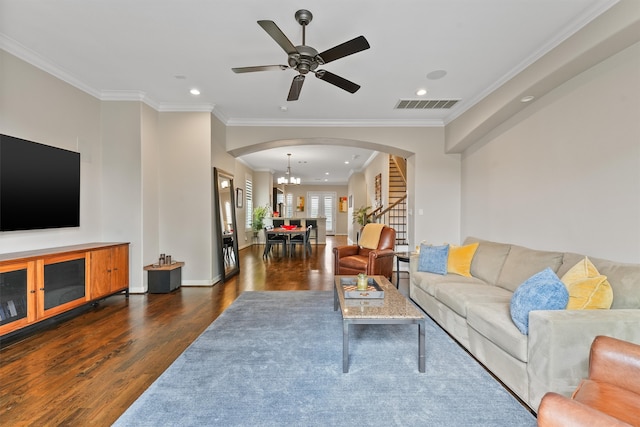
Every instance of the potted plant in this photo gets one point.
(259, 213)
(361, 217)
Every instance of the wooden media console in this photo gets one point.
(39, 284)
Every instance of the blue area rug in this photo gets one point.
(275, 359)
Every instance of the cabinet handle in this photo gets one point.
(32, 291)
(42, 289)
(108, 271)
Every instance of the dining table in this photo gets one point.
(290, 232)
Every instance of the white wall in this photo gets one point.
(360, 198)
(379, 165)
(564, 174)
(186, 193)
(38, 107)
(150, 152)
(122, 182)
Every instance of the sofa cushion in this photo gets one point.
(522, 263)
(493, 321)
(488, 259)
(428, 282)
(355, 262)
(460, 258)
(457, 296)
(624, 280)
(433, 259)
(542, 291)
(588, 289)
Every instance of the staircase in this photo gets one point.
(397, 217)
(395, 214)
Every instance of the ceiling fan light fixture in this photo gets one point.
(305, 59)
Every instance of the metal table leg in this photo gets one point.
(345, 346)
(421, 336)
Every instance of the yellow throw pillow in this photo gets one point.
(460, 258)
(588, 289)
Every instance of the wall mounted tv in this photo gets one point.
(39, 186)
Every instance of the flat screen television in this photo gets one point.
(39, 186)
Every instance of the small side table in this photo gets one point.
(164, 278)
(401, 257)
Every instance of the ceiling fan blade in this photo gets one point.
(296, 87)
(259, 68)
(336, 80)
(276, 33)
(345, 49)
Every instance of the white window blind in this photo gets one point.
(322, 204)
(328, 210)
(314, 206)
(289, 208)
(248, 192)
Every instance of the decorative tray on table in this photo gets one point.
(350, 286)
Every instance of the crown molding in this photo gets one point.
(186, 108)
(335, 123)
(29, 56)
(128, 95)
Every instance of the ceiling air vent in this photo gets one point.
(425, 104)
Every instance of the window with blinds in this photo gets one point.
(248, 202)
(322, 204)
(289, 206)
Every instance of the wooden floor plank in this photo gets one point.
(89, 369)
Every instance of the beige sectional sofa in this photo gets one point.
(554, 355)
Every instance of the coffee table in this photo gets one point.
(392, 309)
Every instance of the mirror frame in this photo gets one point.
(217, 173)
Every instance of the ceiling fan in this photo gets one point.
(305, 59)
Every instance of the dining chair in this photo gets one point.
(272, 239)
(278, 222)
(300, 239)
(314, 230)
(295, 222)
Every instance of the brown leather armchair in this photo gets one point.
(609, 397)
(353, 259)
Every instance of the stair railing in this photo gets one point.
(382, 213)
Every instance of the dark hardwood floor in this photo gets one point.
(90, 368)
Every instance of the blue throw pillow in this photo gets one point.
(542, 291)
(433, 259)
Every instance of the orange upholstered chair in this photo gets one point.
(369, 257)
(609, 397)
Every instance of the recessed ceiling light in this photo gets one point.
(346, 162)
(421, 92)
(326, 173)
(527, 98)
(283, 108)
(194, 91)
(437, 74)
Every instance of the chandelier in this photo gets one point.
(289, 179)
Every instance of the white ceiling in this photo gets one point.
(157, 50)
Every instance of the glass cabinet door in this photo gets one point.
(16, 297)
(13, 296)
(62, 285)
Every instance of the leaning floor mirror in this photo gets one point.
(225, 223)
